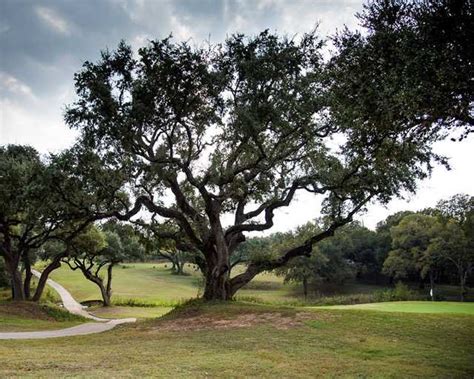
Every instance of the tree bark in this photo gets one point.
(462, 283)
(103, 290)
(55, 263)
(305, 287)
(105, 295)
(217, 288)
(108, 291)
(179, 267)
(17, 286)
(99, 283)
(217, 285)
(28, 276)
(12, 263)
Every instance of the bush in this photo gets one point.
(60, 314)
(399, 293)
(50, 295)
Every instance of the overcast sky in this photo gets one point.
(43, 42)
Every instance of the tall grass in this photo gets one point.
(133, 302)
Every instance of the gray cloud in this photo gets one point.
(43, 42)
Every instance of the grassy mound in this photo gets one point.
(29, 316)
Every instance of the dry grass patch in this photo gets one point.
(199, 319)
(24, 309)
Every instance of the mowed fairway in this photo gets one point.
(412, 307)
(153, 283)
(148, 282)
(238, 340)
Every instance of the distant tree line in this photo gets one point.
(432, 246)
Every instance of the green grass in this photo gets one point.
(146, 281)
(412, 307)
(325, 343)
(152, 283)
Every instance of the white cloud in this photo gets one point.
(41, 126)
(54, 20)
(14, 86)
(180, 30)
(442, 184)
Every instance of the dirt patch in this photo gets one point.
(202, 322)
(25, 309)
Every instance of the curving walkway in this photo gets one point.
(76, 308)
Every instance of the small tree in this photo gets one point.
(327, 262)
(167, 242)
(102, 249)
(177, 258)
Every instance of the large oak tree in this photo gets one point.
(235, 131)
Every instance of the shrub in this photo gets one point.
(399, 293)
(60, 314)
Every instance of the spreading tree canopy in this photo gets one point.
(235, 131)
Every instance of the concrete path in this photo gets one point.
(74, 307)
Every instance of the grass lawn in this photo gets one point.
(148, 282)
(238, 340)
(412, 307)
(153, 283)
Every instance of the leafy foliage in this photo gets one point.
(239, 128)
(97, 249)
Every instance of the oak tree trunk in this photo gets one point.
(28, 276)
(217, 285)
(108, 290)
(12, 265)
(217, 288)
(105, 295)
